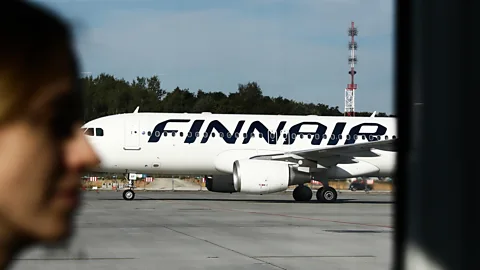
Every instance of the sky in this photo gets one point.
(297, 49)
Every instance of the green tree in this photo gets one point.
(106, 95)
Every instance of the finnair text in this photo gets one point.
(286, 137)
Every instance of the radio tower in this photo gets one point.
(352, 60)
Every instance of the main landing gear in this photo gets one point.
(324, 194)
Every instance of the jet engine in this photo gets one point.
(220, 183)
(266, 176)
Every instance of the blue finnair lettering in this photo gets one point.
(228, 136)
(355, 132)
(192, 133)
(338, 130)
(295, 131)
(267, 135)
(159, 129)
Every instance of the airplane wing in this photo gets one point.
(335, 154)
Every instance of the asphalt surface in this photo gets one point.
(203, 230)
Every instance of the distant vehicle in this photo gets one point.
(360, 185)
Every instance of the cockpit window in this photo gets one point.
(88, 131)
(98, 132)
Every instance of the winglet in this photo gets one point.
(136, 110)
(373, 114)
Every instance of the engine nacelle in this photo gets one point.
(220, 183)
(265, 176)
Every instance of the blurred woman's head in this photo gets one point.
(42, 149)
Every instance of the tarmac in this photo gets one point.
(204, 230)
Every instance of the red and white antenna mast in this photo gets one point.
(352, 60)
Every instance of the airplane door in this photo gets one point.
(132, 133)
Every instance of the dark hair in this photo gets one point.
(35, 48)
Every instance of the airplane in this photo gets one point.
(255, 154)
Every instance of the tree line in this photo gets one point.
(105, 95)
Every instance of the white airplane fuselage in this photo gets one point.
(138, 142)
(210, 144)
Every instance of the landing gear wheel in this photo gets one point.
(302, 193)
(128, 195)
(327, 194)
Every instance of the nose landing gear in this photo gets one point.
(129, 194)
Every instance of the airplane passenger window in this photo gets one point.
(173, 134)
(244, 135)
(260, 135)
(189, 134)
(324, 136)
(98, 132)
(301, 136)
(205, 134)
(386, 137)
(363, 137)
(355, 137)
(317, 136)
(221, 134)
(272, 135)
(236, 134)
(370, 137)
(394, 137)
(229, 135)
(309, 136)
(332, 137)
(197, 134)
(340, 136)
(284, 135)
(252, 135)
(157, 133)
(213, 134)
(181, 134)
(149, 133)
(165, 133)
